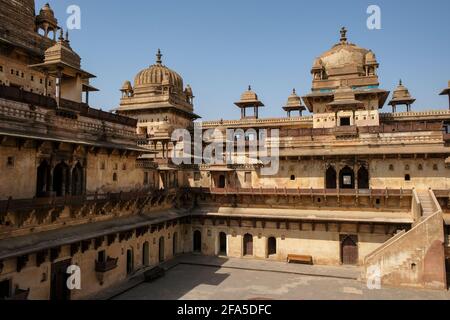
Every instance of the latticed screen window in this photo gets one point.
(248, 177)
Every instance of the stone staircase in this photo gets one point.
(426, 202)
(415, 258)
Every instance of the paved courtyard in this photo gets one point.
(205, 278)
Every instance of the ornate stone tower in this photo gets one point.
(161, 104)
(345, 88)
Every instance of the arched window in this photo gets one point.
(331, 178)
(272, 246)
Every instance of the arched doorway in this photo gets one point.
(161, 250)
(61, 179)
(331, 178)
(347, 178)
(146, 254)
(222, 181)
(363, 178)
(272, 246)
(223, 244)
(248, 245)
(77, 180)
(43, 179)
(349, 250)
(197, 241)
(175, 244)
(130, 262)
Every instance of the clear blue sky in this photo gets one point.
(220, 47)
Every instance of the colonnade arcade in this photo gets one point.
(60, 178)
(346, 176)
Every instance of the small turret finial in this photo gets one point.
(400, 83)
(343, 35)
(67, 36)
(159, 57)
(294, 91)
(249, 88)
(61, 34)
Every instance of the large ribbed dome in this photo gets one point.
(157, 75)
(345, 57)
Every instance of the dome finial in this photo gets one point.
(249, 88)
(400, 83)
(159, 57)
(343, 35)
(294, 91)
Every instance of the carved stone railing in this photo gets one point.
(53, 202)
(307, 192)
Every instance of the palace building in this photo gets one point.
(102, 191)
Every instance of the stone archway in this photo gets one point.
(61, 182)
(248, 245)
(44, 179)
(347, 178)
(363, 178)
(77, 180)
(331, 178)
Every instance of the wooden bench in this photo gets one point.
(301, 259)
(154, 274)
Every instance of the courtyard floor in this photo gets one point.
(191, 277)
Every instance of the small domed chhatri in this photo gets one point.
(294, 103)
(401, 96)
(46, 21)
(249, 99)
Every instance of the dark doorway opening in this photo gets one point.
(175, 244)
(222, 181)
(347, 178)
(331, 178)
(345, 122)
(130, 262)
(272, 246)
(58, 288)
(197, 241)
(5, 289)
(363, 178)
(162, 255)
(77, 180)
(146, 254)
(43, 179)
(223, 244)
(248, 245)
(349, 250)
(61, 179)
